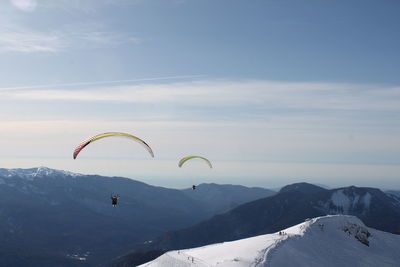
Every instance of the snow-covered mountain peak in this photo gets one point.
(32, 173)
(348, 200)
(329, 241)
(348, 224)
(44, 171)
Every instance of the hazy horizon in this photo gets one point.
(182, 181)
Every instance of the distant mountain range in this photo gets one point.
(218, 198)
(57, 218)
(292, 205)
(328, 241)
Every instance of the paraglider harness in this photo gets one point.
(114, 200)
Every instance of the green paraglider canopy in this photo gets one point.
(183, 160)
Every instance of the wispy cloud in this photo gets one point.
(280, 107)
(41, 86)
(30, 41)
(88, 5)
(25, 5)
(252, 93)
(306, 130)
(17, 38)
(20, 34)
(89, 35)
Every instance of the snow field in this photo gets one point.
(328, 241)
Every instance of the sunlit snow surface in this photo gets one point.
(32, 173)
(322, 241)
(340, 199)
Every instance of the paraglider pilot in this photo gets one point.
(114, 200)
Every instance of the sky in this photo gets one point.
(272, 92)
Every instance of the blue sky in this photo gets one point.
(273, 92)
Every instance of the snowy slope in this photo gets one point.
(324, 241)
(32, 173)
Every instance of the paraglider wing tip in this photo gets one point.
(180, 163)
(151, 153)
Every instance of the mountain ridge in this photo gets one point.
(287, 208)
(66, 214)
(335, 240)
